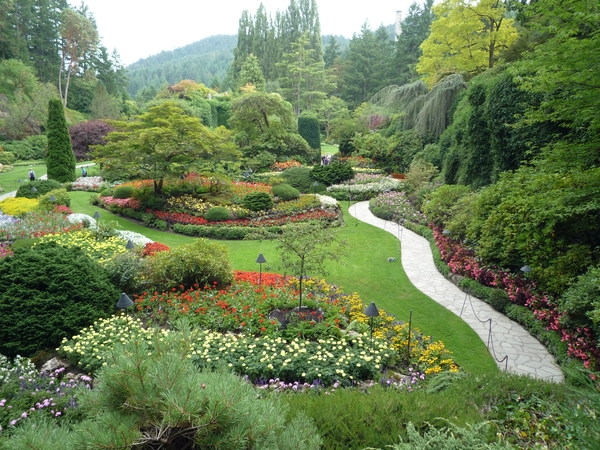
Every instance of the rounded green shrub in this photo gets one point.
(41, 186)
(217, 214)
(123, 192)
(334, 173)
(202, 263)
(61, 197)
(499, 299)
(107, 192)
(258, 201)
(285, 192)
(49, 293)
(299, 177)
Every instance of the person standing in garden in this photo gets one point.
(31, 175)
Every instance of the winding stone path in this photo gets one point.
(525, 354)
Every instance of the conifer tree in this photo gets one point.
(60, 159)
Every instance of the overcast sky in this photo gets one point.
(140, 28)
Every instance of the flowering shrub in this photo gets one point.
(36, 224)
(243, 188)
(395, 206)
(26, 393)
(90, 184)
(101, 251)
(89, 349)
(280, 166)
(304, 203)
(5, 250)
(363, 191)
(151, 248)
(119, 203)
(18, 206)
(357, 161)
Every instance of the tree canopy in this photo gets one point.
(163, 142)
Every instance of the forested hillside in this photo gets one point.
(206, 61)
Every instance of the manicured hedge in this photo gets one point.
(225, 233)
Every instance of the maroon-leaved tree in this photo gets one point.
(88, 133)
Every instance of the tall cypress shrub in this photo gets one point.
(308, 128)
(60, 159)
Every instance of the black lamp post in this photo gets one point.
(260, 260)
(124, 303)
(446, 232)
(371, 312)
(130, 245)
(33, 189)
(315, 186)
(526, 269)
(52, 198)
(96, 215)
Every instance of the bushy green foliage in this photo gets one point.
(308, 128)
(224, 233)
(581, 302)
(217, 214)
(61, 197)
(123, 192)
(299, 177)
(60, 159)
(334, 173)
(48, 293)
(32, 147)
(262, 161)
(6, 158)
(201, 263)
(439, 205)
(285, 192)
(258, 201)
(42, 187)
(125, 272)
(451, 437)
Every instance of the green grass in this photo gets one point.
(365, 270)
(327, 149)
(10, 180)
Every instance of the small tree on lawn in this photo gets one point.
(305, 247)
(60, 159)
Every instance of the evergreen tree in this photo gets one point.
(332, 52)
(60, 159)
(251, 73)
(407, 51)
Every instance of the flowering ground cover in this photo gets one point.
(358, 191)
(90, 184)
(35, 224)
(396, 206)
(26, 393)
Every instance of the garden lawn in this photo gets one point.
(365, 270)
(10, 180)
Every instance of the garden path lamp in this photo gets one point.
(260, 260)
(33, 189)
(124, 303)
(526, 269)
(371, 312)
(52, 198)
(96, 215)
(130, 245)
(446, 232)
(315, 186)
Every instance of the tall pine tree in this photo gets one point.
(60, 159)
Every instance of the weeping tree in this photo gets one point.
(421, 109)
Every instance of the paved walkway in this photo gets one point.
(525, 354)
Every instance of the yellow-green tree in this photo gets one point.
(466, 36)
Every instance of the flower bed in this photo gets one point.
(36, 224)
(232, 326)
(90, 184)
(464, 262)
(395, 206)
(363, 191)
